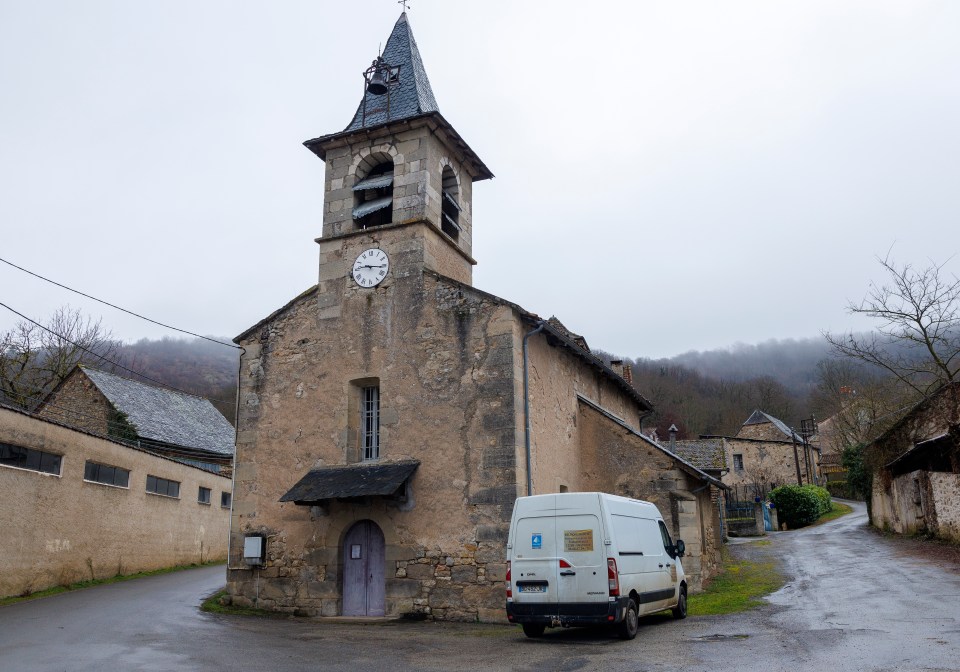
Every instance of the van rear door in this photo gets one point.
(534, 565)
(581, 559)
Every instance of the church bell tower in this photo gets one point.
(399, 179)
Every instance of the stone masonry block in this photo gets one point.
(402, 588)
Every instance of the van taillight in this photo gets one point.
(509, 589)
(613, 577)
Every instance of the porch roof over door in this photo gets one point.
(367, 479)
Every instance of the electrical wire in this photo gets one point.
(128, 312)
(104, 359)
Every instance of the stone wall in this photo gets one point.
(918, 502)
(77, 402)
(619, 462)
(766, 461)
(66, 529)
(418, 159)
(443, 355)
(945, 498)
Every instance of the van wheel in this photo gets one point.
(631, 622)
(534, 630)
(680, 611)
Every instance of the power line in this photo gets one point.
(109, 361)
(128, 312)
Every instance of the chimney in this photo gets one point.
(623, 369)
(673, 437)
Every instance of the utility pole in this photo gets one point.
(796, 456)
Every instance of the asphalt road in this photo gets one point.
(855, 601)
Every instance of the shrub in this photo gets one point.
(797, 505)
(822, 495)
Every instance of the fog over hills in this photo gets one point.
(709, 392)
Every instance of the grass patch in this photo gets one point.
(80, 585)
(212, 605)
(738, 587)
(836, 510)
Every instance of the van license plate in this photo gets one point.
(532, 588)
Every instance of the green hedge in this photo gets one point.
(800, 505)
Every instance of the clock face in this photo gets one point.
(371, 267)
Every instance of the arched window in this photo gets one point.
(373, 193)
(450, 208)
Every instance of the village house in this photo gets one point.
(78, 506)
(766, 453)
(916, 469)
(181, 426)
(389, 416)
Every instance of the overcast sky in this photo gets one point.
(670, 176)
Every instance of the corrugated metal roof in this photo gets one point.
(411, 96)
(370, 207)
(374, 182)
(370, 479)
(163, 415)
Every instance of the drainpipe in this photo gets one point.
(526, 404)
(233, 476)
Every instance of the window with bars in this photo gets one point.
(737, 462)
(370, 422)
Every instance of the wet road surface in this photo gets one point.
(854, 601)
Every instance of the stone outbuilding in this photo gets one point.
(389, 416)
(175, 424)
(916, 469)
(766, 453)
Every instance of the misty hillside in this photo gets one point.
(793, 363)
(194, 365)
(710, 392)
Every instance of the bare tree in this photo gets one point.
(34, 358)
(857, 404)
(918, 337)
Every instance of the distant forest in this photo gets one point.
(196, 366)
(709, 392)
(714, 392)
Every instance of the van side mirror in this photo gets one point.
(680, 548)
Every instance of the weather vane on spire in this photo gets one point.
(405, 3)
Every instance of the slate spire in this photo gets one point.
(411, 96)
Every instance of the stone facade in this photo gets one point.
(767, 462)
(69, 529)
(78, 403)
(765, 452)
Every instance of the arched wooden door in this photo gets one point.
(363, 570)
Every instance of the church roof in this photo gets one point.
(164, 415)
(411, 96)
(411, 102)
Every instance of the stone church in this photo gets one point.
(390, 415)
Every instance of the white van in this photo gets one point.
(582, 558)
